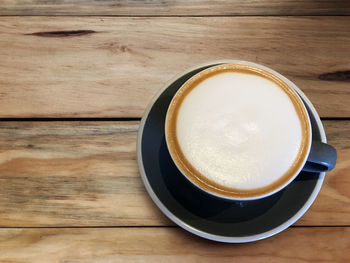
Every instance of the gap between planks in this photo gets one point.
(180, 16)
(165, 226)
(126, 119)
(69, 119)
(175, 8)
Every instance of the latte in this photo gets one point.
(237, 131)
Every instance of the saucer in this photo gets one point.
(207, 216)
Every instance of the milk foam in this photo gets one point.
(239, 130)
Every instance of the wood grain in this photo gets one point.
(299, 245)
(113, 66)
(85, 174)
(174, 7)
(72, 174)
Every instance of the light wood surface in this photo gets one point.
(113, 66)
(85, 174)
(72, 174)
(70, 190)
(298, 245)
(174, 7)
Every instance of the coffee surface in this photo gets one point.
(237, 131)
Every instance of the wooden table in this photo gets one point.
(75, 78)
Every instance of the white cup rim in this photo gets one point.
(286, 183)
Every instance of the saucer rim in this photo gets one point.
(204, 234)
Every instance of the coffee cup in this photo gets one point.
(240, 131)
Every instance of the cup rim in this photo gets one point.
(309, 141)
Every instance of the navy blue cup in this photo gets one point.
(322, 158)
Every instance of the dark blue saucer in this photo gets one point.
(208, 216)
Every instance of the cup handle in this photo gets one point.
(322, 158)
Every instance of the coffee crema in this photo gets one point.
(237, 131)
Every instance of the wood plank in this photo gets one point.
(112, 66)
(169, 245)
(85, 174)
(334, 190)
(72, 174)
(174, 7)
